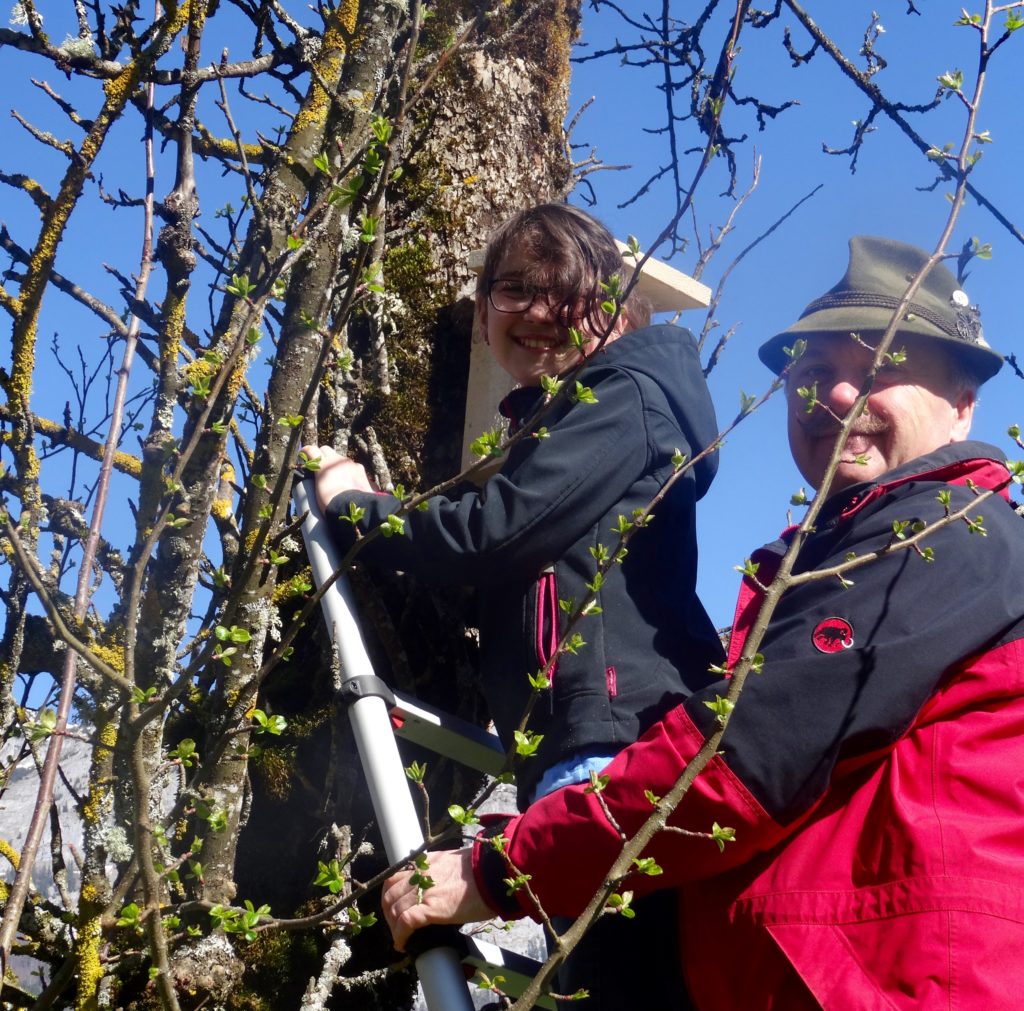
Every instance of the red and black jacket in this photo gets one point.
(874, 773)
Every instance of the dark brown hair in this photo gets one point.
(567, 251)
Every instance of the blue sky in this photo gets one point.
(748, 503)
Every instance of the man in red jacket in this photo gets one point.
(873, 773)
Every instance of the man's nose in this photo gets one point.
(840, 395)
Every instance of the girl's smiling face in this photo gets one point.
(535, 341)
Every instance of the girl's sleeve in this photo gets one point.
(525, 518)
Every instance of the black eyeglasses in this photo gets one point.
(508, 294)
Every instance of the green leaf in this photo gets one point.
(583, 394)
(798, 498)
(416, 772)
(392, 525)
(294, 242)
(621, 904)
(330, 876)
(462, 815)
(575, 643)
(131, 917)
(809, 395)
(748, 568)
(487, 445)
(539, 682)
(678, 459)
(239, 285)
(291, 420)
(976, 526)
(185, 753)
(322, 162)
(512, 885)
(233, 634)
(722, 835)
(368, 224)
(527, 743)
(794, 352)
(550, 385)
(273, 725)
(648, 866)
(355, 514)
(721, 708)
(952, 79)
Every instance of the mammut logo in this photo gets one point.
(832, 635)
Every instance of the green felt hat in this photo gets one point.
(872, 287)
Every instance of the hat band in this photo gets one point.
(843, 299)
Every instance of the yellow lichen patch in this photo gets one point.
(87, 949)
(221, 507)
(8, 851)
(111, 655)
(298, 584)
(128, 464)
(314, 111)
(97, 798)
(208, 144)
(174, 327)
(199, 369)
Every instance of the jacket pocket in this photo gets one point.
(546, 623)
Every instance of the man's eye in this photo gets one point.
(809, 375)
(891, 372)
(512, 288)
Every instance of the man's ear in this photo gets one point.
(963, 415)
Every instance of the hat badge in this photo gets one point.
(968, 318)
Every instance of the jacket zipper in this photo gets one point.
(547, 624)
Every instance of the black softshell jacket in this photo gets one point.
(526, 542)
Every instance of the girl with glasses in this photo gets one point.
(530, 540)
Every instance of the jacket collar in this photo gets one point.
(951, 464)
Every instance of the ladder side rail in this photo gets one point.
(439, 969)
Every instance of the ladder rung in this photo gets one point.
(517, 969)
(447, 735)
